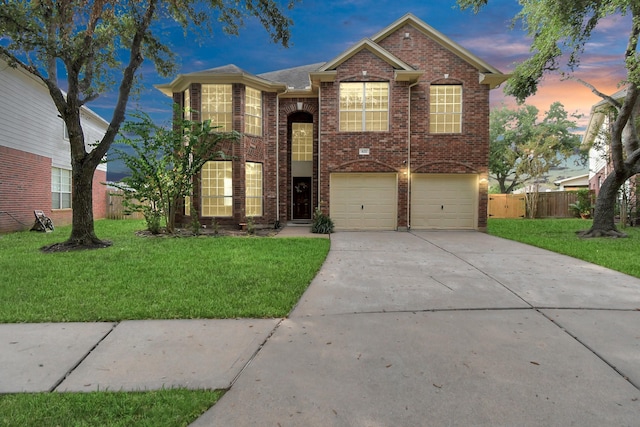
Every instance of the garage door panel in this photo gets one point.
(360, 201)
(440, 201)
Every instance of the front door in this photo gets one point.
(302, 198)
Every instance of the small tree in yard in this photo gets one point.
(163, 164)
(562, 29)
(98, 45)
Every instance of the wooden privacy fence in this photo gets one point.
(553, 204)
(115, 208)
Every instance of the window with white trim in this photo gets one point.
(216, 105)
(217, 189)
(445, 109)
(253, 189)
(364, 107)
(60, 188)
(302, 142)
(253, 112)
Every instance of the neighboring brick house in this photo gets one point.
(391, 134)
(35, 156)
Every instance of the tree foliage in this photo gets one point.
(89, 47)
(523, 149)
(560, 32)
(164, 163)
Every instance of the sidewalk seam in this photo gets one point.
(255, 353)
(83, 358)
(593, 351)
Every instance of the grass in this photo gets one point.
(559, 235)
(162, 408)
(143, 278)
(153, 277)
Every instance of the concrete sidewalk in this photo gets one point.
(397, 329)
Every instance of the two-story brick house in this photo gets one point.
(35, 155)
(391, 134)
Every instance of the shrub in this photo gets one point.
(322, 224)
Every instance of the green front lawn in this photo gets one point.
(559, 235)
(162, 408)
(153, 277)
(143, 278)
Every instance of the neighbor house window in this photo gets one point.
(216, 106)
(60, 188)
(217, 189)
(253, 112)
(253, 188)
(445, 109)
(364, 107)
(302, 142)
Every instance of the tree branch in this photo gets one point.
(602, 95)
(135, 60)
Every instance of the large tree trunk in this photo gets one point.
(604, 213)
(82, 232)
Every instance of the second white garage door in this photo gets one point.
(363, 201)
(442, 201)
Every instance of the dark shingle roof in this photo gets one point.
(225, 69)
(297, 77)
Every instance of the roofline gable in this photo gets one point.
(439, 38)
(367, 44)
(596, 118)
(182, 81)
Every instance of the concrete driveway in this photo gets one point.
(447, 329)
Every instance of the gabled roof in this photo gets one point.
(404, 72)
(297, 80)
(439, 38)
(6, 61)
(225, 74)
(597, 116)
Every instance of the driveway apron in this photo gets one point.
(447, 328)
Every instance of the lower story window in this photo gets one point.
(60, 188)
(253, 189)
(217, 189)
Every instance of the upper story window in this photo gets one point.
(60, 188)
(364, 107)
(217, 106)
(445, 109)
(302, 142)
(253, 112)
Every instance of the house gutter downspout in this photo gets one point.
(409, 160)
(319, 133)
(278, 156)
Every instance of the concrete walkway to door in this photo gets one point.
(447, 328)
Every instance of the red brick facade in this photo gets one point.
(25, 186)
(410, 57)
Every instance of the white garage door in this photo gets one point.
(363, 201)
(442, 201)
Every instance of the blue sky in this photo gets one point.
(324, 29)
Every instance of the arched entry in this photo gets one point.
(300, 136)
